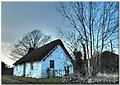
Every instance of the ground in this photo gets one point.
(9, 79)
(100, 79)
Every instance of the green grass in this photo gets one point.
(9, 79)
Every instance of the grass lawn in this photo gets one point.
(9, 79)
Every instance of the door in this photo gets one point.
(51, 68)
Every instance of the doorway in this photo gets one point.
(51, 68)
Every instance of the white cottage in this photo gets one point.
(50, 60)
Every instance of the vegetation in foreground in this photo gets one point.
(9, 79)
(100, 79)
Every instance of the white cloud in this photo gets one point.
(5, 53)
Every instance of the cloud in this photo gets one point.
(5, 53)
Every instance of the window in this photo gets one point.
(51, 63)
(31, 65)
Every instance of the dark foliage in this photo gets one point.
(109, 62)
(5, 70)
(79, 63)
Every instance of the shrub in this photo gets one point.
(74, 78)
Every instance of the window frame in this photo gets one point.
(52, 63)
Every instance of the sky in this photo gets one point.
(19, 18)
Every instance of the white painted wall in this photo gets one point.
(36, 72)
(60, 60)
(18, 70)
(40, 67)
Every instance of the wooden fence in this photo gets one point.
(59, 73)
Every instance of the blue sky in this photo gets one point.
(19, 18)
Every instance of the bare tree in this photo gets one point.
(71, 40)
(96, 23)
(34, 39)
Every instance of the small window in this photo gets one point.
(31, 65)
(51, 63)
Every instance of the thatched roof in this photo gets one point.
(41, 52)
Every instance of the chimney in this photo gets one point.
(30, 50)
